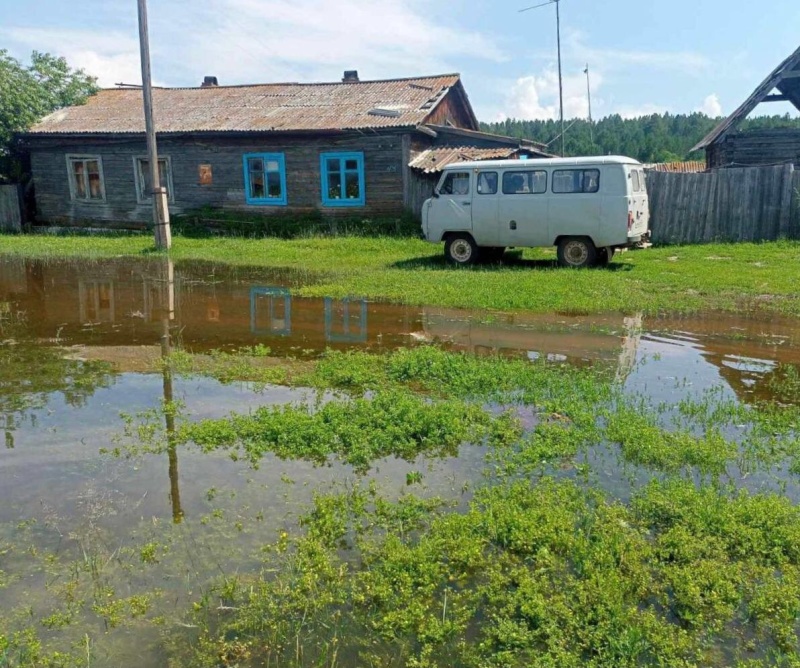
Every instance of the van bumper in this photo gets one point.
(638, 240)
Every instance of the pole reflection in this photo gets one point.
(167, 289)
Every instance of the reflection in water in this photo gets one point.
(346, 320)
(270, 312)
(167, 311)
(111, 310)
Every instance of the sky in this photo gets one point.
(644, 56)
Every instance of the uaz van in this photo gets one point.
(587, 207)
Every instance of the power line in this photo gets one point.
(560, 75)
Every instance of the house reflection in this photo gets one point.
(96, 299)
(270, 311)
(345, 320)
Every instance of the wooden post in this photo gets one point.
(163, 233)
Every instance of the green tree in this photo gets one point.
(654, 138)
(29, 93)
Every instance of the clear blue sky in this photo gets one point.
(644, 55)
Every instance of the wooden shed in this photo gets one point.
(729, 146)
(342, 149)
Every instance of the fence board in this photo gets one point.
(742, 204)
(10, 211)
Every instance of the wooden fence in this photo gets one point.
(10, 209)
(742, 204)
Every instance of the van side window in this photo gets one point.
(456, 183)
(487, 183)
(524, 183)
(636, 182)
(576, 181)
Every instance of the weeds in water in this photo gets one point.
(360, 431)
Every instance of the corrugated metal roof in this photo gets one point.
(688, 167)
(258, 108)
(436, 159)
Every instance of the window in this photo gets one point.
(487, 183)
(524, 183)
(342, 179)
(144, 189)
(455, 183)
(86, 178)
(265, 179)
(636, 182)
(576, 181)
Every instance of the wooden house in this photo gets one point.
(347, 149)
(728, 146)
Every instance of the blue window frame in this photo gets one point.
(265, 179)
(343, 179)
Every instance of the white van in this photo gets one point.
(587, 207)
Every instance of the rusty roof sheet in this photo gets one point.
(257, 108)
(688, 167)
(436, 159)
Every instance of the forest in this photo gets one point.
(655, 138)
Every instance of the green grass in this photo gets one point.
(729, 277)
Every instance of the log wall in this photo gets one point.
(756, 147)
(383, 166)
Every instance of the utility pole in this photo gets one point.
(589, 96)
(163, 234)
(560, 75)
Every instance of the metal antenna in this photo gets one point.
(589, 95)
(560, 76)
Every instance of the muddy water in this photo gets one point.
(78, 342)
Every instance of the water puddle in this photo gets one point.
(80, 344)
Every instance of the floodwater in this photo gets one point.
(78, 343)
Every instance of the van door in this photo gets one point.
(451, 210)
(576, 205)
(640, 207)
(523, 209)
(485, 229)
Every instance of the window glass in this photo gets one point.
(635, 181)
(145, 187)
(456, 183)
(487, 183)
(80, 181)
(576, 181)
(265, 179)
(343, 179)
(86, 179)
(525, 183)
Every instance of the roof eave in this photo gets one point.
(756, 98)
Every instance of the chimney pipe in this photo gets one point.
(350, 76)
(210, 82)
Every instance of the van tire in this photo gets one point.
(577, 252)
(604, 256)
(461, 249)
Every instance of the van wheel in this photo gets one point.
(604, 256)
(577, 252)
(461, 249)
